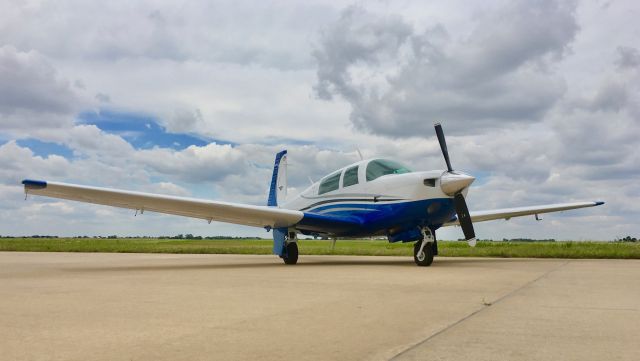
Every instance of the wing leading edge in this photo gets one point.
(257, 216)
(507, 213)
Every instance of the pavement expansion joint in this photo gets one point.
(485, 306)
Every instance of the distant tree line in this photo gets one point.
(513, 240)
(191, 236)
(627, 239)
(34, 236)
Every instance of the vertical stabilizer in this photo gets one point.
(278, 189)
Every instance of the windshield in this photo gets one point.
(379, 167)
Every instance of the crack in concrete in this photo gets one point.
(484, 307)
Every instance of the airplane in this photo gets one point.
(369, 198)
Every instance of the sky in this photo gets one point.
(539, 99)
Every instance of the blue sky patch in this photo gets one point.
(481, 177)
(45, 149)
(142, 131)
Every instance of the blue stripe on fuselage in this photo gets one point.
(370, 219)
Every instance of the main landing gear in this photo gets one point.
(290, 254)
(424, 250)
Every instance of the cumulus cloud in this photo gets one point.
(168, 188)
(212, 162)
(29, 82)
(501, 73)
(16, 162)
(33, 95)
(184, 120)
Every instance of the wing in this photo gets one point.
(507, 213)
(258, 216)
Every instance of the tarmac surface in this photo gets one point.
(99, 306)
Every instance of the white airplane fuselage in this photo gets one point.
(391, 204)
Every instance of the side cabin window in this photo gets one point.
(379, 167)
(350, 177)
(331, 183)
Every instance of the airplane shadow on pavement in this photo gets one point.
(365, 262)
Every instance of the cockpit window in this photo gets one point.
(350, 177)
(379, 167)
(331, 183)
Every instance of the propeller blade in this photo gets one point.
(454, 182)
(443, 146)
(465, 219)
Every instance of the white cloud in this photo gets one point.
(501, 73)
(17, 162)
(168, 188)
(29, 82)
(212, 162)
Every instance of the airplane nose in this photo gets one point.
(453, 182)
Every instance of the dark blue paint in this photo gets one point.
(322, 223)
(273, 192)
(34, 184)
(408, 235)
(377, 219)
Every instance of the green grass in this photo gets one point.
(343, 247)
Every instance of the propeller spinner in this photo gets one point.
(453, 183)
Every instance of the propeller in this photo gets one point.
(453, 183)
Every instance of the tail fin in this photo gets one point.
(278, 189)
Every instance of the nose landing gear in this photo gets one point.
(424, 250)
(290, 251)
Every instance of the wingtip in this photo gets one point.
(599, 203)
(34, 184)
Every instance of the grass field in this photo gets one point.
(317, 247)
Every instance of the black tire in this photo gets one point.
(426, 258)
(290, 255)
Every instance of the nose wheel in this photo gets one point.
(290, 255)
(424, 250)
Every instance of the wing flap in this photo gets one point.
(257, 216)
(507, 213)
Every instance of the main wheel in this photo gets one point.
(425, 258)
(290, 255)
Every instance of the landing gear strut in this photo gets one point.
(424, 250)
(290, 254)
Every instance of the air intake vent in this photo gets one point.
(430, 182)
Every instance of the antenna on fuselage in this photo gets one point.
(359, 153)
(310, 180)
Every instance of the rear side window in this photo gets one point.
(350, 177)
(331, 183)
(378, 168)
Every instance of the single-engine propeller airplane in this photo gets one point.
(374, 197)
